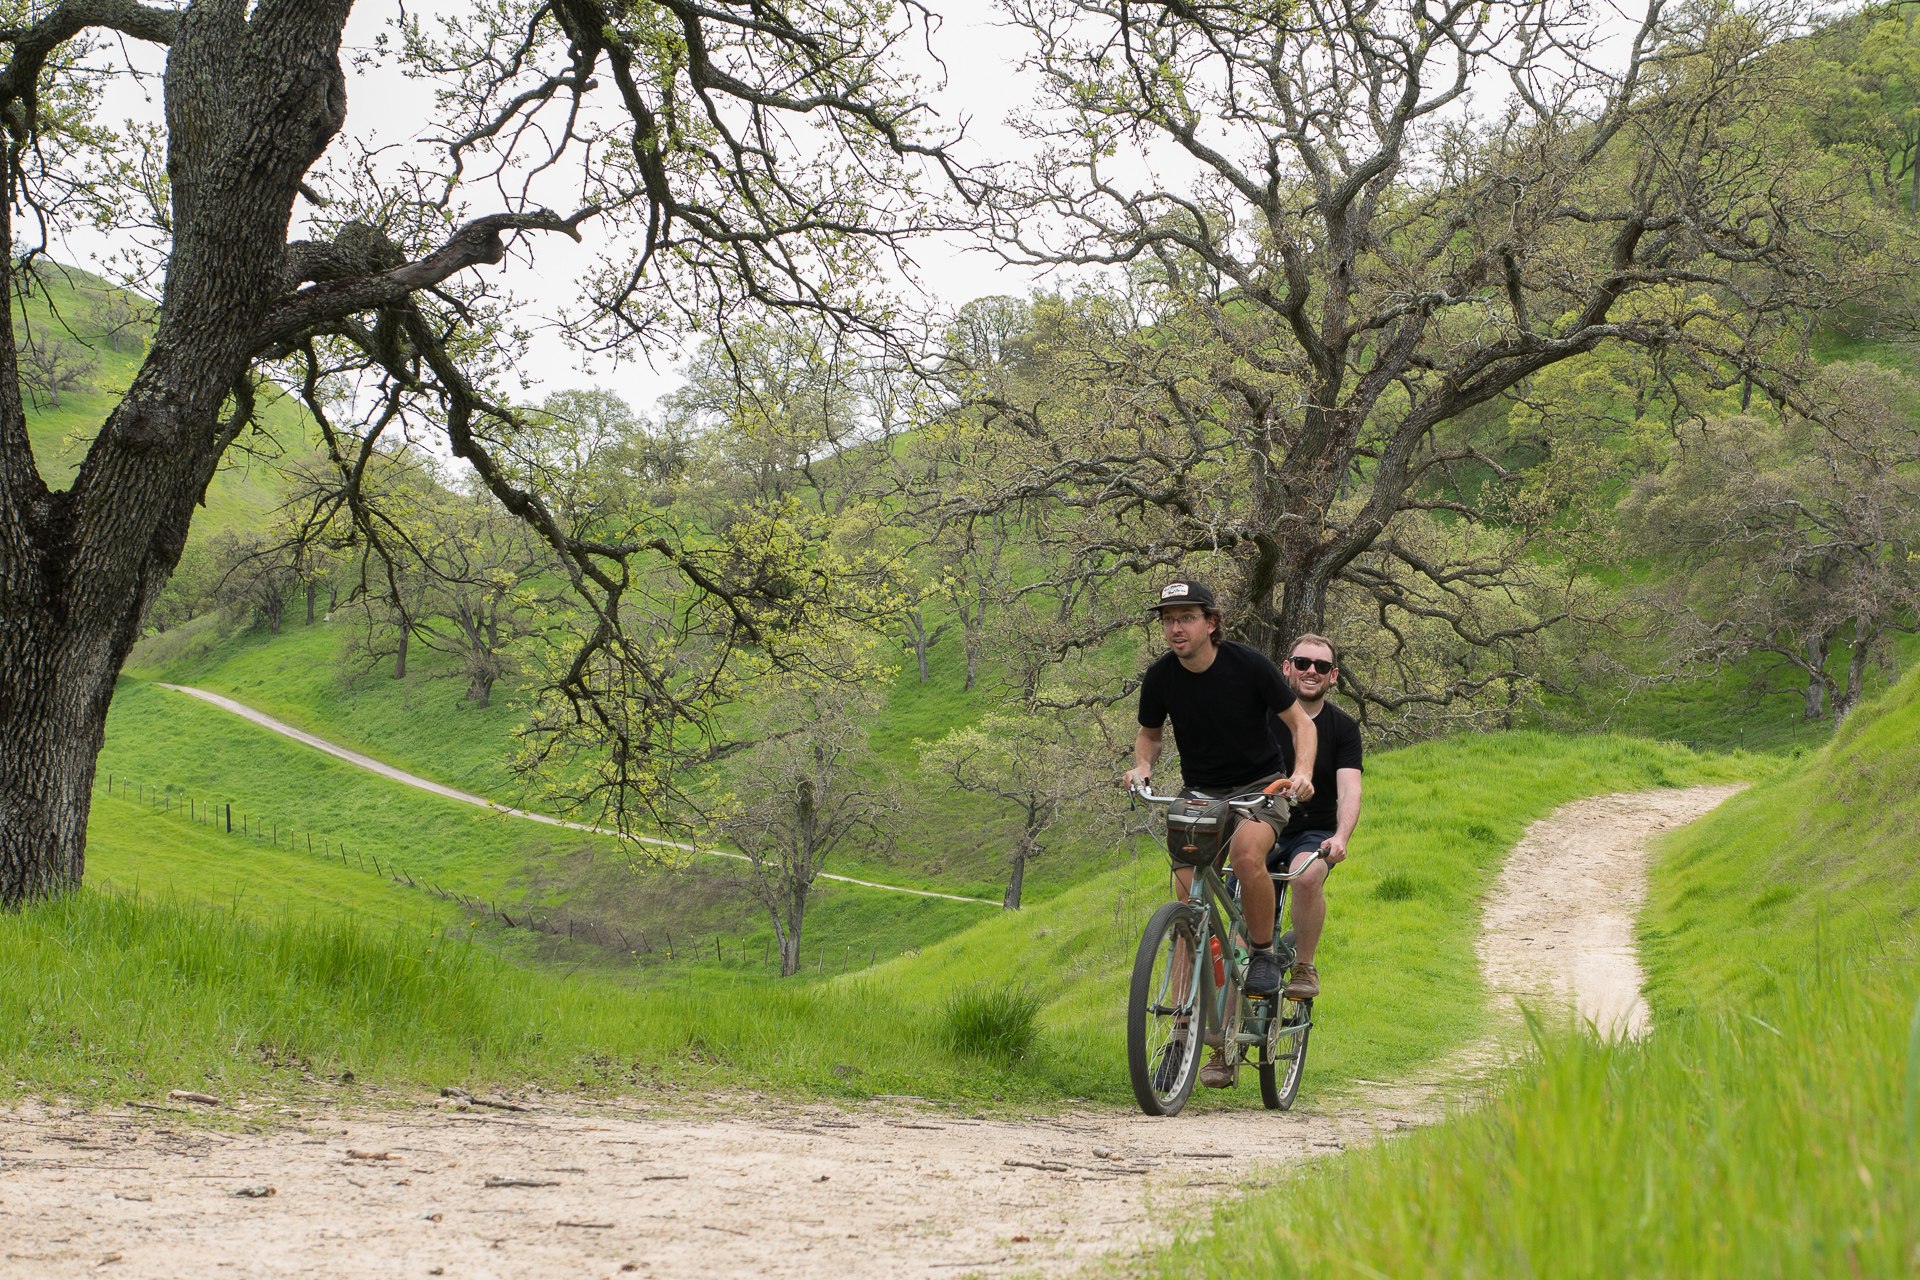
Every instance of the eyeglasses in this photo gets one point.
(1320, 665)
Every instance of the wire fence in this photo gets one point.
(642, 945)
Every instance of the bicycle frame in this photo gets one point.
(1220, 916)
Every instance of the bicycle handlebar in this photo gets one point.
(1253, 800)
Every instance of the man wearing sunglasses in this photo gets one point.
(1326, 817)
(1223, 698)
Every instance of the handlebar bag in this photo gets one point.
(1197, 830)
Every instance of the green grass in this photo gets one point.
(160, 739)
(1718, 711)
(1439, 817)
(1772, 1143)
(285, 794)
(106, 996)
(947, 843)
(1769, 1127)
(1823, 859)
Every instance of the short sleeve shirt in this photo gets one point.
(1339, 749)
(1223, 717)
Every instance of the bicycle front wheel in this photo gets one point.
(1166, 1011)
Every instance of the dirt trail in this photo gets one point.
(746, 1185)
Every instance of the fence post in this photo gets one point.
(229, 819)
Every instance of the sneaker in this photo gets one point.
(1305, 983)
(1217, 1074)
(1263, 974)
(1167, 1073)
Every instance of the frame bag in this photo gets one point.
(1197, 830)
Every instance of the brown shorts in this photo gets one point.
(1274, 816)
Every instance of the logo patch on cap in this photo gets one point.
(1173, 589)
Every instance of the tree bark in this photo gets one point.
(1816, 676)
(313, 589)
(400, 652)
(1011, 900)
(251, 103)
(1846, 701)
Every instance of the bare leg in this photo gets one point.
(1181, 969)
(1309, 907)
(1249, 853)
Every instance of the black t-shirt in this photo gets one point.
(1339, 749)
(1222, 716)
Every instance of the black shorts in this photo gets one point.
(1288, 847)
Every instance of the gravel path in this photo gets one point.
(720, 1185)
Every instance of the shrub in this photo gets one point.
(998, 1022)
(1396, 886)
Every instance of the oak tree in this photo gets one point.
(1341, 239)
(722, 154)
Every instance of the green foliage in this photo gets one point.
(999, 1022)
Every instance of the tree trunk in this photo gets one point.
(1816, 676)
(251, 103)
(313, 589)
(975, 626)
(1844, 702)
(400, 652)
(917, 634)
(1011, 901)
(790, 933)
(55, 686)
(480, 689)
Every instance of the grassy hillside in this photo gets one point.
(1771, 1124)
(948, 843)
(1826, 859)
(1439, 817)
(1398, 969)
(65, 305)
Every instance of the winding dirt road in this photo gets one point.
(690, 1184)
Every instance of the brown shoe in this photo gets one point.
(1305, 983)
(1217, 1074)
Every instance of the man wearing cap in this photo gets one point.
(1223, 697)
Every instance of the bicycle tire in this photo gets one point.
(1154, 1010)
(1279, 1088)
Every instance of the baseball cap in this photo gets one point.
(1184, 591)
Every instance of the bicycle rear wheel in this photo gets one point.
(1286, 1057)
(1166, 1012)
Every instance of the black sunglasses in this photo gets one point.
(1311, 664)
